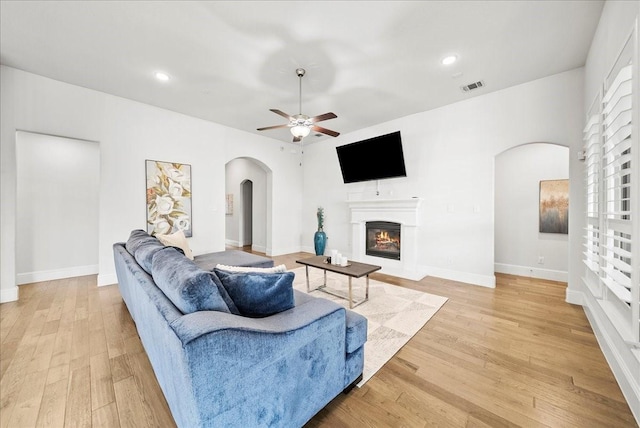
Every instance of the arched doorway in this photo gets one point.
(248, 184)
(520, 248)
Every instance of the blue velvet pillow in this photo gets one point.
(189, 288)
(137, 238)
(258, 294)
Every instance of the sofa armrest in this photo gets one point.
(192, 326)
(261, 371)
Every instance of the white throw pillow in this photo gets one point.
(275, 269)
(177, 239)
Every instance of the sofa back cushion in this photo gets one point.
(145, 251)
(189, 288)
(137, 238)
(258, 294)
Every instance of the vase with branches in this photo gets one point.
(320, 238)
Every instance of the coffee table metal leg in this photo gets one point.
(307, 271)
(325, 279)
(350, 295)
(366, 290)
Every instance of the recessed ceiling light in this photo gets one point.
(448, 60)
(162, 76)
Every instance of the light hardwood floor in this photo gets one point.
(516, 355)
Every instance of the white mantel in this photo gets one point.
(403, 211)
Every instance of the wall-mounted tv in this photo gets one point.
(372, 159)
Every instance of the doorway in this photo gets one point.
(248, 222)
(520, 247)
(57, 207)
(246, 190)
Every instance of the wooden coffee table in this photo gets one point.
(353, 270)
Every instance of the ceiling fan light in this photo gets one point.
(300, 131)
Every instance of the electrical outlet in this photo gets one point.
(540, 260)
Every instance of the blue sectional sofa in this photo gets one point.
(220, 369)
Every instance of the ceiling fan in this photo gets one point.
(301, 124)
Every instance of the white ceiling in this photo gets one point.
(231, 61)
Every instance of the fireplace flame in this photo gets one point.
(383, 240)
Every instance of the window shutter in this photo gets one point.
(617, 176)
(592, 184)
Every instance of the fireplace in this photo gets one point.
(383, 239)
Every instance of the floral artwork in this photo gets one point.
(554, 206)
(168, 198)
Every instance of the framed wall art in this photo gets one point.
(168, 198)
(229, 204)
(554, 206)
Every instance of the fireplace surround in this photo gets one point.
(404, 212)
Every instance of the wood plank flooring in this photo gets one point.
(516, 355)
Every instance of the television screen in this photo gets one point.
(372, 159)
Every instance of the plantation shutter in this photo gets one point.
(617, 174)
(592, 157)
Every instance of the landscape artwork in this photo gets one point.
(168, 197)
(554, 206)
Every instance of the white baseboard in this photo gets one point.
(50, 275)
(612, 347)
(466, 277)
(259, 248)
(532, 272)
(107, 279)
(8, 294)
(403, 273)
(574, 297)
(232, 243)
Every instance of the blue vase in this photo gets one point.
(320, 242)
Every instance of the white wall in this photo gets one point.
(449, 154)
(518, 242)
(57, 207)
(237, 171)
(616, 23)
(130, 132)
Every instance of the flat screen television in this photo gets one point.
(372, 159)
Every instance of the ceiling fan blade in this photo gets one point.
(322, 117)
(296, 139)
(325, 131)
(273, 127)
(281, 113)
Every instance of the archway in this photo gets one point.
(520, 247)
(248, 184)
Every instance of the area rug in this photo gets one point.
(394, 313)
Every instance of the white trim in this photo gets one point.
(259, 248)
(533, 272)
(232, 243)
(8, 294)
(107, 279)
(628, 381)
(50, 275)
(574, 297)
(466, 277)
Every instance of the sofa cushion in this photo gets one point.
(275, 269)
(356, 331)
(145, 251)
(178, 240)
(231, 258)
(189, 288)
(137, 238)
(257, 294)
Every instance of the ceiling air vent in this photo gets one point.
(471, 86)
